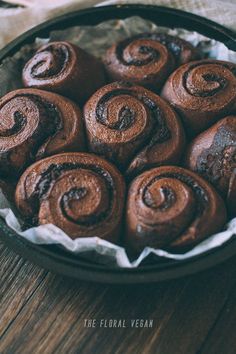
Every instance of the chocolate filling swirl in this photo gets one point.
(73, 194)
(147, 59)
(49, 177)
(50, 62)
(171, 207)
(170, 196)
(175, 45)
(25, 118)
(202, 92)
(18, 125)
(80, 193)
(66, 69)
(129, 124)
(200, 82)
(142, 55)
(127, 115)
(167, 194)
(33, 125)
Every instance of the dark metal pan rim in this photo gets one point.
(64, 263)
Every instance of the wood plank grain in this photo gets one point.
(197, 311)
(54, 317)
(50, 317)
(221, 338)
(179, 331)
(19, 280)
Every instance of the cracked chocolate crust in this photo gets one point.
(212, 154)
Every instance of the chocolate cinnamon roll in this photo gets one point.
(147, 59)
(64, 68)
(212, 154)
(171, 207)
(133, 127)
(34, 124)
(80, 193)
(202, 92)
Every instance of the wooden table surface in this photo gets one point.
(41, 312)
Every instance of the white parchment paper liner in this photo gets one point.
(96, 39)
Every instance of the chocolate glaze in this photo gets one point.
(202, 92)
(79, 192)
(212, 154)
(171, 207)
(147, 59)
(133, 127)
(35, 124)
(66, 69)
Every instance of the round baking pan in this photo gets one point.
(54, 258)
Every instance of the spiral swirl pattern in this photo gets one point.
(78, 192)
(50, 62)
(34, 124)
(202, 92)
(66, 69)
(171, 207)
(147, 59)
(133, 127)
(213, 155)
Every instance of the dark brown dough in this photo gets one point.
(80, 193)
(35, 124)
(133, 127)
(147, 59)
(66, 69)
(212, 154)
(202, 92)
(171, 207)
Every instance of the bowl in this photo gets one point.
(53, 257)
